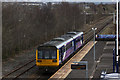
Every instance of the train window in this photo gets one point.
(60, 52)
(54, 56)
(40, 54)
(72, 43)
(63, 49)
(46, 56)
(69, 45)
(78, 40)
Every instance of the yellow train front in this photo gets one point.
(47, 57)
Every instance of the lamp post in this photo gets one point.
(85, 16)
(117, 32)
(94, 41)
(113, 17)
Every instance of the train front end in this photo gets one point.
(47, 57)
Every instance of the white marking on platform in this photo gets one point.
(110, 42)
(109, 47)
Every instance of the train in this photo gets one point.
(54, 52)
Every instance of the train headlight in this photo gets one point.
(39, 60)
(54, 60)
(96, 36)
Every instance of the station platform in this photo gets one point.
(103, 62)
(64, 71)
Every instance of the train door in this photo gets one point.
(60, 53)
(81, 41)
(61, 56)
(63, 52)
(82, 38)
(74, 44)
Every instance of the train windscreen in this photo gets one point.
(47, 53)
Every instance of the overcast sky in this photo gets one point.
(59, 0)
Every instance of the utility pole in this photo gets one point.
(117, 32)
(94, 41)
(113, 18)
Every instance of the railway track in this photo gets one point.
(21, 70)
(31, 64)
(100, 27)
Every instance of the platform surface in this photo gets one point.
(106, 61)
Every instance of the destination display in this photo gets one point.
(78, 66)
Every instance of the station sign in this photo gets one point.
(79, 65)
(82, 65)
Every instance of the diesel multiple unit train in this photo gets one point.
(53, 53)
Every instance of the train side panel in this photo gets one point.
(78, 42)
(74, 46)
(69, 50)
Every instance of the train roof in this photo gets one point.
(62, 40)
(74, 34)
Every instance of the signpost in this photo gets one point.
(82, 65)
(94, 41)
(117, 32)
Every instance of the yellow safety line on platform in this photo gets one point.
(82, 53)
